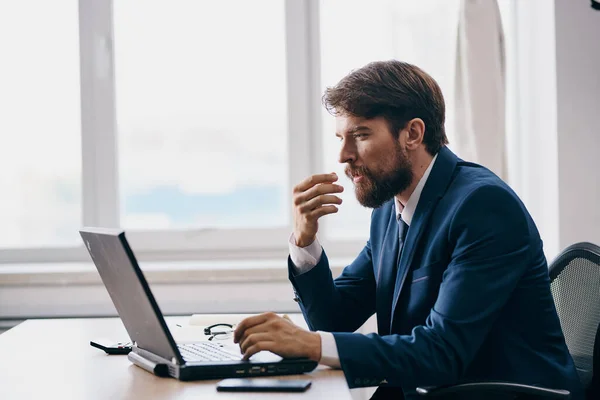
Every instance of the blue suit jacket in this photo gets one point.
(470, 300)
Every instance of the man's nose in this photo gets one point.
(347, 153)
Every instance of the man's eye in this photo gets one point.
(360, 135)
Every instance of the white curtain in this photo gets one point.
(480, 89)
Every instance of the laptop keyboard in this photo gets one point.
(206, 351)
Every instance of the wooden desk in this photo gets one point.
(53, 359)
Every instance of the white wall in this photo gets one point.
(531, 115)
(578, 120)
(553, 134)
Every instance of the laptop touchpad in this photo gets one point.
(265, 356)
(261, 356)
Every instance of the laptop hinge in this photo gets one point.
(158, 369)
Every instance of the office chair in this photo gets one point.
(575, 286)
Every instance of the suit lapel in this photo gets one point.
(385, 276)
(413, 237)
(435, 187)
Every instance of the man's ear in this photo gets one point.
(415, 129)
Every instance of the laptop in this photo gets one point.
(153, 346)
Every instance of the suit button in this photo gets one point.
(297, 299)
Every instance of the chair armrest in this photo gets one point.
(505, 387)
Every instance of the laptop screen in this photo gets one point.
(129, 291)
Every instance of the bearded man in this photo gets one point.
(454, 266)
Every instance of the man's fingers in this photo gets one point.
(313, 180)
(319, 201)
(264, 327)
(324, 210)
(249, 323)
(252, 350)
(255, 338)
(316, 191)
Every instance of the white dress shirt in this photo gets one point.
(305, 258)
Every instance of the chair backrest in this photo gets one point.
(575, 285)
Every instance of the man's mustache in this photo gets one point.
(351, 172)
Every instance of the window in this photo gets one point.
(197, 118)
(201, 114)
(355, 32)
(40, 124)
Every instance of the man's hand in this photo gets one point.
(279, 335)
(312, 199)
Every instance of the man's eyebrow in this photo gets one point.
(358, 128)
(354, 129)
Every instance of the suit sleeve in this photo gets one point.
(340, 305)
(489, 235)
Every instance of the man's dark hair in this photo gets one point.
(396, 91)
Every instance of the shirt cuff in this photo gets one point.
(329, 352)
(304, 258)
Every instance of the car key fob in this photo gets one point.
(111, 347)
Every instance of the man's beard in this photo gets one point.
(377, 187)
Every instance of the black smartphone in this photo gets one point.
(111, 347)
(263, 385)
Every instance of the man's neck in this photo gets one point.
(419, 168)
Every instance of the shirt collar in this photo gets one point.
(407, 212)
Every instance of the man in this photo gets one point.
(454, 266)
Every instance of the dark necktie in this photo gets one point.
(402, 230)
